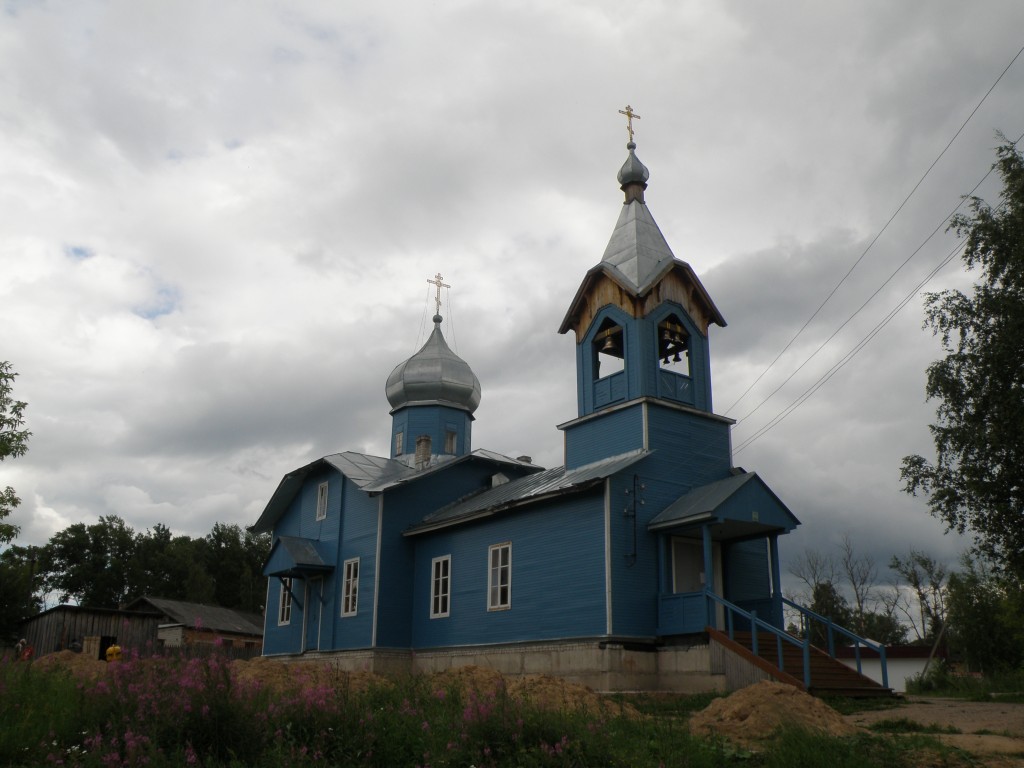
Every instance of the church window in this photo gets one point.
(350, 588)
(284, 607)
(321, 501)
(450, 441)
(398, 443)
(609, 350)
(673, 346)
(499, 577)
(440, 586)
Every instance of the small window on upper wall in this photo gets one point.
(440, 586)
(450, 441)
(321, 501)
(673, 346)
(609, 350)
(284, 606)
(398, 443)
(350, 588)
(499, 577)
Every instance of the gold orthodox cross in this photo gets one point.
(438, 282)
(630, 116)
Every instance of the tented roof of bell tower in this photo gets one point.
(637, 260)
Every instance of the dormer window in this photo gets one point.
(673, 346)
(609, 350)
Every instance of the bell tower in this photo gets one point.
(641, 318)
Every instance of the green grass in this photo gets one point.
(1007, 686)
(904, 725)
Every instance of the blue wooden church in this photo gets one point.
(610, 569)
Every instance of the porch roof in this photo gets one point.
(296, 557)
(739, 506)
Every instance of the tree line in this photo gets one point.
(108, 564)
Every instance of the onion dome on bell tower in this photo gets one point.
(433, 395)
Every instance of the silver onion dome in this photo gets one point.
(633, 171)
(434, 376)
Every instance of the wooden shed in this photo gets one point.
(93, 629)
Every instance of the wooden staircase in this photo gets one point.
(829, 677)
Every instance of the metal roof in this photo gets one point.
(637, 250)
(732, 511)
(526, 490)
(211, 617)
(372, 474)
(434, 376)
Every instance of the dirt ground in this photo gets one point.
(993, 729)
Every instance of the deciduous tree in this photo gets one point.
(13, 443)
(976, 483)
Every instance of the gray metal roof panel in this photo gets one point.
(637, 249)
(211, 617)
(527, 489)
(702, 501)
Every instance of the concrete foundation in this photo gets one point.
(599, 664)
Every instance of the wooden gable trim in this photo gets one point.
(679, 285)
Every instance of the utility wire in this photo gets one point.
(807, 393)
(877, 236)
(867, 301)
(939, 226)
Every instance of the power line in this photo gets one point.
(867, 301)
(807, 393)
(939, 226)
(876, 237)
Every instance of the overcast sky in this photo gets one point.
(217, 221)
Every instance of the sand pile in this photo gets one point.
(543, 691)
(77, 664)
(757, 712)
(282, 676)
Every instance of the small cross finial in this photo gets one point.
(630, 116)
(438, 282)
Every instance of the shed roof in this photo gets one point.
(210, 617)
(295, 556)
(526, 490)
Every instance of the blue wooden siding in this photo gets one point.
(634, 554)
(403, 506)
(642, 374)
(746, 572)
(557, 576)
(286, 638)
(689, 449)
(605, 435)
(359, 539)
(433, 420)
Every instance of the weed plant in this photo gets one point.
(941, 681)
(171, 711)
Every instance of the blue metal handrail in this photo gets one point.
(807, 617)
(732, 610)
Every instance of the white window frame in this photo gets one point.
(350, 588)
(440, 587)
(284, 605)
(451, 442)
(499, 576)
(399, 440)
(321, 501)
